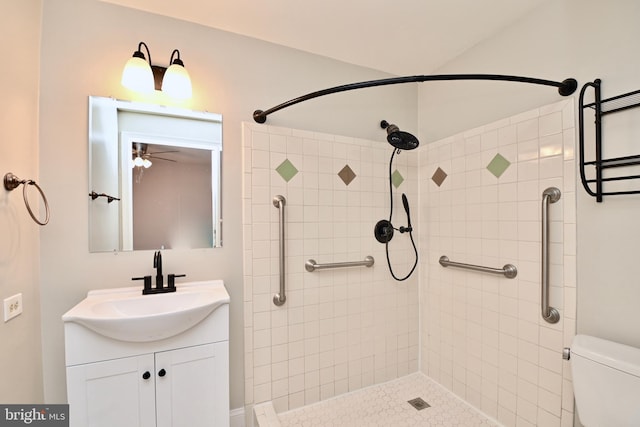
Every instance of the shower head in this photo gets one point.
(399, 139)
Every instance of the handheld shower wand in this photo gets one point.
(405, 203)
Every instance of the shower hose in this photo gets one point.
(402, 229)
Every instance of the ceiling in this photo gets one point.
(403, 37)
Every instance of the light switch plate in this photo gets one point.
(12, 307)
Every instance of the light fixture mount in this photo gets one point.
(158, 75)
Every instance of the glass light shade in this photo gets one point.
(146, 163)
(176, 82)
(137, 75)
(138, 161)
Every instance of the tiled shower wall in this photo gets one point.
(482, 335)
(339, 330)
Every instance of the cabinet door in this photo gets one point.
(112, 393)
(194, 388)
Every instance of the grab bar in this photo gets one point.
(550, 314)
(312, 265)
(509, 270)
(280, 298)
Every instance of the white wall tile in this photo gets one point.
(480, 337)
(525, 116)
(528, 369)
(321, 327)
(550, 124)
(528, 150)
(551, 145)
(527, 130)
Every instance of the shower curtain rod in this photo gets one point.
(565, 88)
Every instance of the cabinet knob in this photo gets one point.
(146, 375)
(162, 372)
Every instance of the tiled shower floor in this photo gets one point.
(386, 405)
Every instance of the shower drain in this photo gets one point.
(418, 403)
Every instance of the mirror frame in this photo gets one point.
(115, 146)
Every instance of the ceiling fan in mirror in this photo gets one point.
(141, 157)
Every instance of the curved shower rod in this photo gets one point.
(565, 87)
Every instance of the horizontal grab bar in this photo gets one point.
(312, 265)
(509, 270)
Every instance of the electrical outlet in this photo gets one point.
(12, 307)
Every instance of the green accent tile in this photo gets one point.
(287, 170)
(396, 178)
(498, 165)
(439, 176)
(347, 175)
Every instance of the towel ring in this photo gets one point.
(11, 182)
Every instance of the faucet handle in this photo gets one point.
(147, 283)
(172, 280)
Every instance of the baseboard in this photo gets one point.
(236, 417)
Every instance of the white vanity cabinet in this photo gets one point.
(178, 381)
(113, 393)
(194, 391)
(183, 387)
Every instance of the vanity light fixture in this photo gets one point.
(142, 76)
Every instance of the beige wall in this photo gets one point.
(569, 38)
(232, 75)
(19, 247)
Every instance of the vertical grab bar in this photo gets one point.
(280, 298)
(550, 314)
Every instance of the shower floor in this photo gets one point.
(387, 405)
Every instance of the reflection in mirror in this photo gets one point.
(163, 164)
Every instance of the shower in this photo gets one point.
(384, 229)
(408, 320)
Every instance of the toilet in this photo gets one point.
(606, 382)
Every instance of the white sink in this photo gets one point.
(127, 315)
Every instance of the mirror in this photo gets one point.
(154, 177)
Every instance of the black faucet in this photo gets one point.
(160, 288)
(157, 264)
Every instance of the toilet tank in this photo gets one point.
(606, 382)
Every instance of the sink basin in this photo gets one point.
(127, 315)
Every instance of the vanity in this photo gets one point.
(149, 360)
